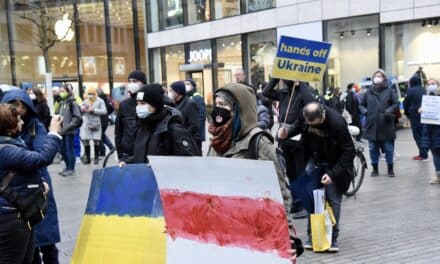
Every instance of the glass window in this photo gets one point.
(200, 53)
(172, 13)
(142, 35)
(93, 45)
(226, 8)
(121, 21)
(198, 11)
(255, 5)
(229, 56)
(5, 59)
(410, 46)
(154, 15)
(262, 49)
(174, 59)
(355, 49)
(156, 60)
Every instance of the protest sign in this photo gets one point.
(430, 110)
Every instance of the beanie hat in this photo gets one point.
(179, 87)
(415, 81)
(151, 94)
(193, 83)
(227, 97)
(382, 72)
(138, 75)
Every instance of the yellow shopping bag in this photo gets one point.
(322, 223)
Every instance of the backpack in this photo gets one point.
(80, 117)
(254, 144)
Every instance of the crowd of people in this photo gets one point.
(311, 148)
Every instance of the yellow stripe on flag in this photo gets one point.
(117, 239)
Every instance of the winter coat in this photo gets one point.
(379, 108)
(198, 99)
(263, 116)
(413, 101)
(34, 135)
(25, 163)
(110, 109)
(190, 115)
(302, 95)
(268, 103)
(331, 145)
(71, 113)
(126, 126)
(163, 135)
(43, 113)
(431, 136)
(352, 107)
(92, 118)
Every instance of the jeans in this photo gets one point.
(436, 157)
(49, 253)
(332, 196)
(16, 240)
(77, 144)
(376, 146)
(68, 152)
(417, 130)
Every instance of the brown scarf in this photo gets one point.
(222, 136)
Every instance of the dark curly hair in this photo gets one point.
(8, 120)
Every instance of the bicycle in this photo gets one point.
(359, 163)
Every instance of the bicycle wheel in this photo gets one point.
(107, 157)
(359, 167)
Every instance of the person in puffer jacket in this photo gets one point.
(16, 238)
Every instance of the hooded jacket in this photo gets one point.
(413, 99)
(71, 114)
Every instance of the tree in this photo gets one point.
(46, 15)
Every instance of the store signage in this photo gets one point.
(63, 29)
(300, 59)
(200, 55)
(430, 110)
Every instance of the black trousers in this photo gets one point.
(16, 241)
(49, 253)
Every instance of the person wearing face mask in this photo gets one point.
(378, 105)
(352, 106)
(292, 98)
(40, 104)
(432, 87)
(71, 113)
(196, 97)
(92, 108)
(160, 129)
(126, 123)
(329, 152)
(411, 105)
(188, 108)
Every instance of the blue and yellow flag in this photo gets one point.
(123, 222)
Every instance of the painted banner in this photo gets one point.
(215, 210)
(300, 59)
(431, 110)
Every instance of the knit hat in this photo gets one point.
(151, 94)
(138, 75)
(179, 87)
(415, 81)
(382, 72)
(227, 97)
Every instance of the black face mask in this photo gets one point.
(220, 116)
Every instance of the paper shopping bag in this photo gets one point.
(319, 201)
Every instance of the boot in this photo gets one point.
(86, 158)
(97, 149)
(375, 171)
(391, 170)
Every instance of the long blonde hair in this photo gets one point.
(91, 90)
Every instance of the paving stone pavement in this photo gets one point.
(391, 220)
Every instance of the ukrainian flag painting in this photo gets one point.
(124, 221)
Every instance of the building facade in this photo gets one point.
(207, 39)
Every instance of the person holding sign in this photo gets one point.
(431, 133)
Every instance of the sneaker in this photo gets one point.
(420, 158)
(374, 173)
(391, 174)
(334, 248)
(300, 215)
(308, 245)
(68, 173)
(436, 180)
(62, 172)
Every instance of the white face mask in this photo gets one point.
(431, 88)
(133, 88)
(377, 79)
(143, 111)
(32, 96)
(90, 96)
(188, 87)
(172, 96)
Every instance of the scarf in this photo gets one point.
(222, 136)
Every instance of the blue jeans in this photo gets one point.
(417, 130)
(436, 157)
(315, 173)
(77, 144)
(375, 146)
(68, 151)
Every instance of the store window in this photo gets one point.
(5, 59)
(355, 49)
(409, 46)
(262, 49)
(122, 38)
(226, 8)
(256, 5)
(93, 45)
(174, 59)
(198, 11)
(153, 13)
(199, 67)
(229, 57)
(172, 13)
(156, 65)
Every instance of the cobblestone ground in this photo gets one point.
(391, 220)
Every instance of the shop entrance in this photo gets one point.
(197, 76)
